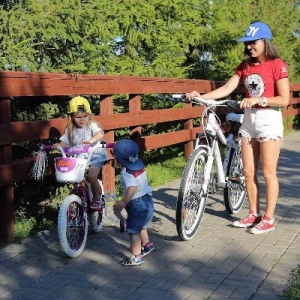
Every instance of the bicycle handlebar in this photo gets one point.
(73, 150)
(206, 102)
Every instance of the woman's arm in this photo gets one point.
(283, 98)
(220, 92)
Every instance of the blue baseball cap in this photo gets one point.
(256, 31)
(126, 152)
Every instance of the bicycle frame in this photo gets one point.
(198, 180)
(81, 191)
(213, 133)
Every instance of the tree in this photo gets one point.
(166, 38)
(229, 22)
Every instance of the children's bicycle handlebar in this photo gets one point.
(74, 150)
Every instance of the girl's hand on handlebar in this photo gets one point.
(88, 142)
(55, 146)
(249, 102)
(192, 95)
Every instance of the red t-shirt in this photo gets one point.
(260, 80)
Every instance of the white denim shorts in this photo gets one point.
(262, 124)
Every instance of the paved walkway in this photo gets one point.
(220, 262)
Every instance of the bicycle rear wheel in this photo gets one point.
(96, 217)
(191, 197)
(72, 226)
(235, 190)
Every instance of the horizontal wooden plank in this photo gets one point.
(51, 84)
(18, 132)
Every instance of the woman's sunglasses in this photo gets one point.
(251, 43)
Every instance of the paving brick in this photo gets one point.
(220, 262)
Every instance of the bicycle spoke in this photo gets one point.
(235, 192)
(191, 202)
(75, 226)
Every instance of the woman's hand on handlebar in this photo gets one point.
(249, 102)
(192, 95)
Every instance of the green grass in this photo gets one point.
(160, 174)
(23, 227)
(293, 289)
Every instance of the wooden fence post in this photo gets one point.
(6, 192)
(108, 173)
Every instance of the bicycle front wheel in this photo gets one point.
(72, 226)
(191, 197)
(235, 190)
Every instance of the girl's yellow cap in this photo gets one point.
(79, 104)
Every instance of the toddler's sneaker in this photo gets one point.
(249, 221)
(148, 248)
(263, 226)
(134, 260)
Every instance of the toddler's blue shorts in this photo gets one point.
(139, 214)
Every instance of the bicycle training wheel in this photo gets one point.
(235, 190)
(96, 217)
(191, 197)
(72, 226)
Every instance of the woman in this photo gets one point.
(265, 77)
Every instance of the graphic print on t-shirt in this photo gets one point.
(255, 85)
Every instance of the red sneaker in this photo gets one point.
(249, 221)
(263, 226)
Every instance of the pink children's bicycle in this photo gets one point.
(75, 215)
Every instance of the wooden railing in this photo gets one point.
(20, 84)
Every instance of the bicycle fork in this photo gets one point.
(213, 153)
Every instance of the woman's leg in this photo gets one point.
(250, 157)
(270, 151)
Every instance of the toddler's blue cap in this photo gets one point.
(256, 31)
(126, 152)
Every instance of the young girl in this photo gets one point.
(81, 129)
(137, 200)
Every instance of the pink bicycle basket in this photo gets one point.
(69, 169)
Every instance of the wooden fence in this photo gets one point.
(27, 84)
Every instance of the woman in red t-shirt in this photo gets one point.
(265, 77)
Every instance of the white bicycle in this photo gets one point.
(205, 172)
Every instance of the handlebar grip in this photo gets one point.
(47, 147)
(178, 96)
(108, 145)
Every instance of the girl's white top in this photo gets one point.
(86, 133)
